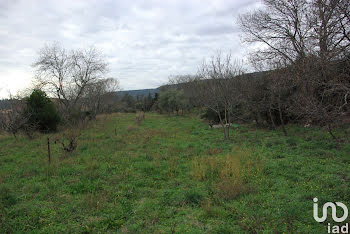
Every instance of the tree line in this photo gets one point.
(303, 65)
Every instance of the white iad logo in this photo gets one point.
(335, 228)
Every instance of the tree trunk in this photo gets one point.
(256, 119)
(224, 128)
(330, 131)
(48, 150)
(272, 121)
(223, 125)
(281, 118)
(227, 125)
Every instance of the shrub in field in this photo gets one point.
(16, 119)
(42, 111)
(69, 140)
(14, 122)
(139, 118)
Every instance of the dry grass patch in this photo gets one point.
(230, 173)
(173, 167)
(205, 168)
(93, 201)
(214, 151)
(132, 128)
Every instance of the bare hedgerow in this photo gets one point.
(307, 49)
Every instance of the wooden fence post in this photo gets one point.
(48, 150)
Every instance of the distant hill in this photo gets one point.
(145, 92)
(140, 92)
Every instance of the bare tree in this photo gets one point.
(100, 96)
(217, 88)
(256, 98)
(282, 27)
(330, 22)
(67, 75)
(309, 42)
(343, 10)
(280, 89)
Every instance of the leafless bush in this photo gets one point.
(14, 119)
(69, 140)
(140, 117)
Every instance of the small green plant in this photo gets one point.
(193, 197)
(7, 198)
(291, 142)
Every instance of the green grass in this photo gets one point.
(171, 174)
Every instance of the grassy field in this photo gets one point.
(171, 174)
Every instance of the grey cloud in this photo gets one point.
(144, 40)
(215, 30)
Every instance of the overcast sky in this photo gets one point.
(144, 41)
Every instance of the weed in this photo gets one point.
(227, 172)
(7, 198)
(193, 197)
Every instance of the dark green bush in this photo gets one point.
(42, 112)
